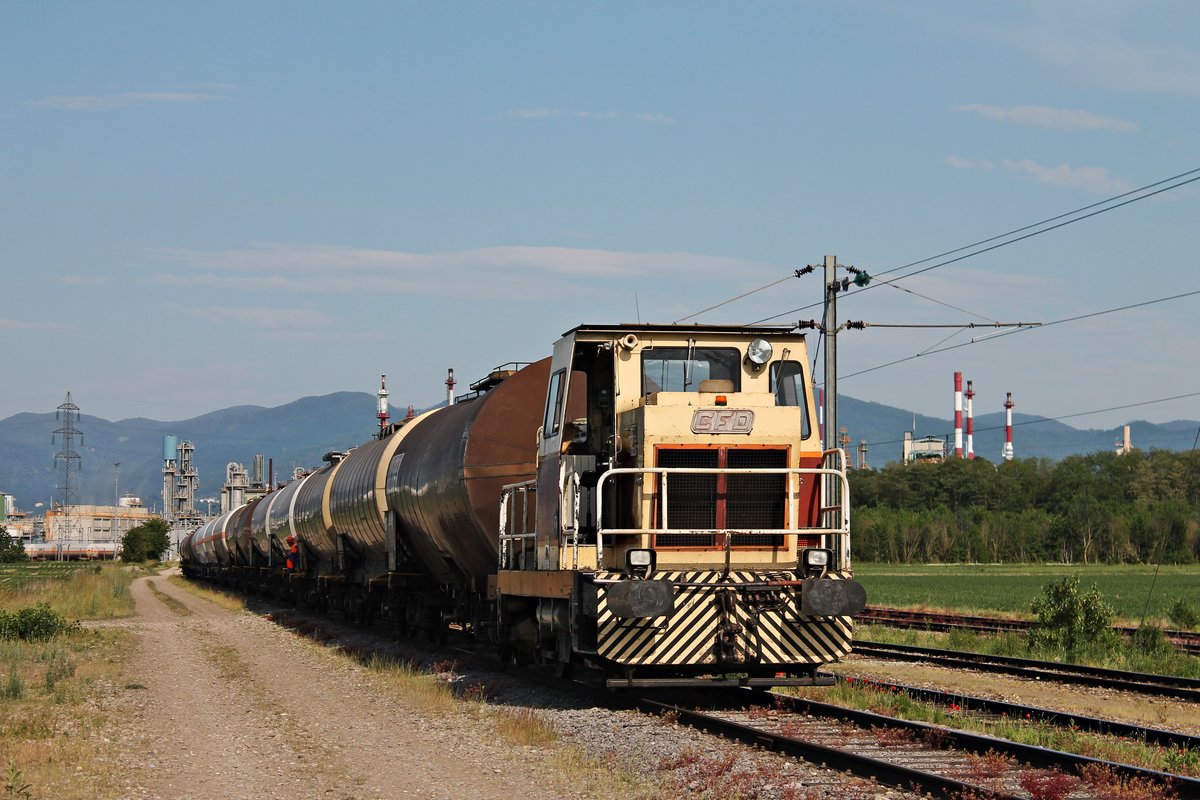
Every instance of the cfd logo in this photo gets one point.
(722, 420)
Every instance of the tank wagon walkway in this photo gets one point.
(236, 707)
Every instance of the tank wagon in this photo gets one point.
(650, 500)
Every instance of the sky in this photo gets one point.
(213, 204)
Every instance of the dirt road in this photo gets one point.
(233, 706)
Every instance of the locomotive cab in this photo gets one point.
(684, 518)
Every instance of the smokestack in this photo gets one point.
(958, 415)
(1125, 443)
(383, 405)
(450, 382)
(1007, 453)
(970, 420)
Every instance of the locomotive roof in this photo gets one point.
(645, 327)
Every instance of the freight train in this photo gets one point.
(652, 501)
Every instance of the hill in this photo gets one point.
(298, 434)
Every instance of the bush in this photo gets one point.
(146, 542)
(1150, 640)
(1184, 615)
(1072, 620)
(32, 624)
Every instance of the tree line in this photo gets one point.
(1140, 507)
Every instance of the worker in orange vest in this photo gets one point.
(293, 559)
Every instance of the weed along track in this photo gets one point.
(917, 756)
(1158, 685)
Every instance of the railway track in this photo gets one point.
(1185, 641)
(1143, 683)
(913, 756)
(1000, 709)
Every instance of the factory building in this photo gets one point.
(927, 448)
(87, 531)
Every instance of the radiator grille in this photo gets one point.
(755, 501)
(693, 498)
(735, 502)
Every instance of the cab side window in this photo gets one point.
(788, 385)
(554, 401)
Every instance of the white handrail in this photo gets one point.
(842, 530)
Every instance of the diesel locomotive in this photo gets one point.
(653, 501)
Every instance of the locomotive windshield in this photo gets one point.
(681, 369)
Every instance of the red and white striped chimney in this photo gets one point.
(450, 384)
(970, 395)
(958, 415)
(1007, 453)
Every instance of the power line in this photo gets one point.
(1046, 221)
(999, 334)
(739, 297)
(1039, 225)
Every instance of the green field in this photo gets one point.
(1012, 587)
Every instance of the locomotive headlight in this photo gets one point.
(816, 560)
(758, 352)
(639, 562)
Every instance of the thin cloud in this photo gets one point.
(1066, 120)
(18, 325)
(1106, 59)
(1093, 179)
(114, 100)
(508, 270)
(958, 162)
(547, 113)
(275, 324)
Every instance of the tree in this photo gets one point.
(146, 542)
(11, 547)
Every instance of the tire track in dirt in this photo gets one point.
(236, 707)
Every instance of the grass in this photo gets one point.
(1130, 589)
(439, 690)
(72, 589)
(168, 601)
(1014, 644)
(861, 694)
(229, 600)
(51, 730)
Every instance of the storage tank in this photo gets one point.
(170, 448)
(444, 480)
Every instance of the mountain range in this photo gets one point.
(298, 434)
